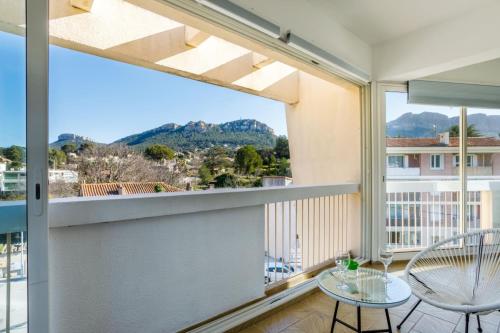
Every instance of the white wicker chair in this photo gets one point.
(459, 274)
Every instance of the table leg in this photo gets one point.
(388, 320)
(334, 316)
(359, 319)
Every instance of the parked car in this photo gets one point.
(15, 267)
(277, 271)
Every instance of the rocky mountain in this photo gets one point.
(427, 124)
(68, 138)
(200, 134)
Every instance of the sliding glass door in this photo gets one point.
(13, 221)
(427, 189)
(483, 169)
(422, 181)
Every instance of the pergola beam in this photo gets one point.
(276, 78)
(212, 53)
(124, 31)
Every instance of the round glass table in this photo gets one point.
(365, 287)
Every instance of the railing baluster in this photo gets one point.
(275, 239)
(268, 249)
(308, 232)
(289, 236)
(324, 229)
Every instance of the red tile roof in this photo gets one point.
(104, 189)
(434, 142)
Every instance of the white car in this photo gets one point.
(277, 271)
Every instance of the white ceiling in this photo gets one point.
(393, 40)
(373, 21)
(376, 21)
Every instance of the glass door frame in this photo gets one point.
(37, 41)
(379, 167)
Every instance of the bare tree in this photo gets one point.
(111, 164)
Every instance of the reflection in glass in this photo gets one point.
(483, 169)
(422, 181)
(13, 236)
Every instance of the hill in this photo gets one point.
(204, 135)
(68, 138)
(427, 124)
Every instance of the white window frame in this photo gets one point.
(405, 160)
(378, 164)
(432, 162)
(472, 164)
(37, 76)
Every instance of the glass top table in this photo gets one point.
(364, 288)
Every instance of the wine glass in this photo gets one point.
(342, 261)
(385, 255)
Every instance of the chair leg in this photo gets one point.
(467, 322)
(409, 313)
(334, 317)
(479, 329)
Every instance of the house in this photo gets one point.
(14, 181)
(131, 188)
(412, 158)
(4, 162)
(268, 181)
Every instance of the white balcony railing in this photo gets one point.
(174, 254)
(302, 234)
(416, 220)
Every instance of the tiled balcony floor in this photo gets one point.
(314, 314)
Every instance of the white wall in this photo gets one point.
(462, 41)
(156, 274)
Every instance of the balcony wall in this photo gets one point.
(162, 262)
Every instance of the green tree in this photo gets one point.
(283, 168)
(56, 158)
(16, 165)
(226, 180)
(267, 155)
(14, 153)
(281, 147)
(216, 159)
(159, 188)
(86, 146)
(158, 152)
(247, 160)
(69, 148)
(471, 131)
(205, 175)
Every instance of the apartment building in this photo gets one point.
(414, 158)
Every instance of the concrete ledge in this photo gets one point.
(82, 211)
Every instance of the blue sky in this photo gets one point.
(106, 100)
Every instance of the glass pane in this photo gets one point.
(13, 237)
(422, 184)
(483, 169)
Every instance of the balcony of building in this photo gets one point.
(245, 260)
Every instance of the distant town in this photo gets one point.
(195, 156)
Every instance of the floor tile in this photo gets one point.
(252, 329)
(430, 324)
(316, 322)
(487, 326)
(452, 317)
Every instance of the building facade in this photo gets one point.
(423, 186)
